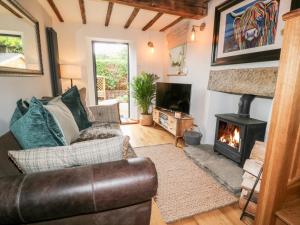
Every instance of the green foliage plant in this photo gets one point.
(114, 71)
(143, 89)
(14, 44)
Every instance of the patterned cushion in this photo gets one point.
(102, 132)
(106, 125)
(79, 154)
(106, 113)
(88, 137)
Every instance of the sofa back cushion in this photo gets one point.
(7, 167)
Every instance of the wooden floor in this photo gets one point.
(143, 136)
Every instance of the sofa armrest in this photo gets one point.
(106, 113)
(75, 191)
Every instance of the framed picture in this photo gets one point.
(177, 58)
(177, 39)
(249, 30)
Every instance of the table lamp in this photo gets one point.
(72, 72)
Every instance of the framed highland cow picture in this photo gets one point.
(249, 30)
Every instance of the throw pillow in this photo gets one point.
(35, 127)
(19, 111)
(79, 154)
(106, 113)
(64, 119)
(82, 93)
(71, 99)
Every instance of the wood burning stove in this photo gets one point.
(237, 133)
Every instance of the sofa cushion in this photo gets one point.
(106, 113)
(78, 154)
(64, 119)
(35, 127)
(20, 110)
(82, 93)
(71, 99)
(102, 125)
(94, 134)
(102, 132)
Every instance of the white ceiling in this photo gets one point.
(96, 13)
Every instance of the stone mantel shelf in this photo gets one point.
(255, 81)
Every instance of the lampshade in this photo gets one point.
(70, 71)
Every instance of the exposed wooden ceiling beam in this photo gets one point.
(108, 14)
(82, 11)
(131, 18)
(172, 24)
(156, 17)
(195, 9)
(10, 9)
(55, 10)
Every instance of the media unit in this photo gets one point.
(168, 121)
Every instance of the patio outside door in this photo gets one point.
(111, 72)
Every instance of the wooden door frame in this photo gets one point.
(281, 169)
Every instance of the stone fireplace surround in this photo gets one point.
(260, 82)
(255, 81)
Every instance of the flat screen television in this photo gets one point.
(173, 97)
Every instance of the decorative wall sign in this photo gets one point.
(177, 45)
(249, 30)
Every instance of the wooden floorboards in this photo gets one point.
(143, 136)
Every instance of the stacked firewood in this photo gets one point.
(252, 168)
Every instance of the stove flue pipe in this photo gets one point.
(244, 105)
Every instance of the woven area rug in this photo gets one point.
(183, 188)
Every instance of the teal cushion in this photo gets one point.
(71, 99)
(35, 127)
(19, 112)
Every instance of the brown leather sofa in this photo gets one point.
(114, 193)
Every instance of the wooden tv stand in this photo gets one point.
(176, 126)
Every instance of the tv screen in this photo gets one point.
(174, 97)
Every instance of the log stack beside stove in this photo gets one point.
(236, 133)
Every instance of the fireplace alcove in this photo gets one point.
(236, 133)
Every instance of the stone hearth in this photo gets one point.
(222, 169)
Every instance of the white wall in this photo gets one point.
(14, 88)
(205, 104)
(75, 39)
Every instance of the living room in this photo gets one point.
(222, 77)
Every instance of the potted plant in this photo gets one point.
(143, 89)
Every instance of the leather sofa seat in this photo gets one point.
(114, 193)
